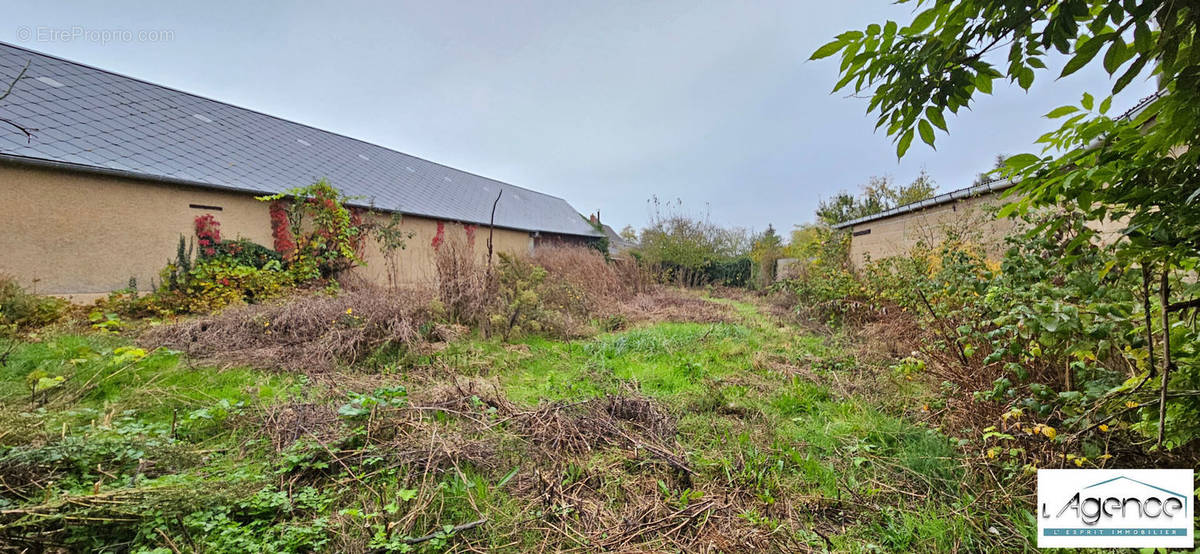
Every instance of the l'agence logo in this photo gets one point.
(1115, 508)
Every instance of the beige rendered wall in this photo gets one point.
(971, 218)
(898, 234)
(416, 263)
(82, 235)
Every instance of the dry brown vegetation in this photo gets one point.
(311, 332)
(314, 332)
(465, 285)
(713, 435)
(661, 303)
(592, 471)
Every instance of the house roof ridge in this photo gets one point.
(264, 114)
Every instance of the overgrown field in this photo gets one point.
(723, 426)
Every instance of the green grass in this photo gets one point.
(106, 374)
(782, 439)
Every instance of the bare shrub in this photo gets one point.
(465, 286)
(632, 274)
(581, 281)
(887, 339)
(675, 305)
(313, 332)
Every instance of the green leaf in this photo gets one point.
(926, 131)
(984, 83)
(828, 49)
(1025, 78)
(1133, 71)
(1088, 101)
(1116, 56)
(1083, 55)
(1061, 111)
(1142, 40)
(921, 22)
(1008, 209)
(934, 116)
(849, 36)
(47, 383)
(1105, 105)
(904, 142)
(508, 477)
(352, 411)
(1020, 161)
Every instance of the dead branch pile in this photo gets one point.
(44, 527)
(675, 305)
(314, 332)
(596, 469)
(285, 424)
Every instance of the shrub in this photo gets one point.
(317, 230)
(823, 283)
(248, 253)
(21, 311)
(520, 308)
(208, 233)
(212, 284)
(731, 273)
(581, 282)
(465, 288)
(1051, 333)
(689, 250)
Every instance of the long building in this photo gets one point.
(116, 169)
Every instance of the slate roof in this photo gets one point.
(91, 119)
(616, 243)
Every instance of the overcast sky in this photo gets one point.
(603, 103)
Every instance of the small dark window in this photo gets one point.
(860, 233)
(203, 207)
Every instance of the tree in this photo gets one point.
(629, 233)
(689, 245)
(802, 239)
(767, 248)
(989, 175)
(878, 194)
(842, 207)
(1142, 169)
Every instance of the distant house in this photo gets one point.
(898, 230)
(617, 244)
(118, 168)
(963, 211)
